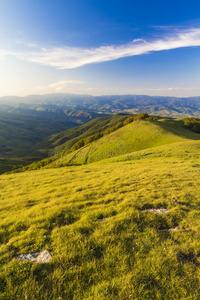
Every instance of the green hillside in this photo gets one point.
(19, 133)
(25, 139)
(66, 139)
(138, 135)
(94, 221)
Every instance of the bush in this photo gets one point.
(142, 116)
(128, 121)
(78, 145)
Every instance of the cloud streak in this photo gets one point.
(58, 86)
(69, 57)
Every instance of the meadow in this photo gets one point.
(130, 137)
(94, 220)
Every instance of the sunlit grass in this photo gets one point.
(136, 136)
(126, 256)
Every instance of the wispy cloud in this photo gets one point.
(167, 89)
(69, 57)
(57, 87)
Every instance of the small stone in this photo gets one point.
(44, 256)
(156, 211)
(174, 229)
(171, 229)
(101, 220)
(37, 257)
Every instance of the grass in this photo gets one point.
(19, 133)
(25, 139)
(8, 164)
(126, 256)
(107, 137)
(66, 139)
(133, 137)
(56, 146)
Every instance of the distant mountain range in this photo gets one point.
(82, 108)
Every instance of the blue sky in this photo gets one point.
(100, 47)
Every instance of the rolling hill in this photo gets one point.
(19, 133)
(27, 123)
(22, 129)
(25, 139)
(105, 137)
(138, 135)
(66, 139)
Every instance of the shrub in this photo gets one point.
(142, 116)
(128, 121)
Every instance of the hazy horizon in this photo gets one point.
(102, 95)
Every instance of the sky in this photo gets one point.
(100, 47)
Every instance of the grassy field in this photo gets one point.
(19, 133)
(25, 139)
(66, 139)
(8, 164)
(102, 138)
(138, 135)
(94, 221)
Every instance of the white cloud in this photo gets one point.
(57, 87)
(26, 44)
(167, 89)
(69, 57)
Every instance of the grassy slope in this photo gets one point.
(8, 164)
(132, 137)
(69, 137)
(124, 257)
(19, 133)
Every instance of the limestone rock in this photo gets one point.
(156, 211)
(174, 229)
(101, 220)
(37, 257)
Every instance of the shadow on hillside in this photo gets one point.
(177, 127)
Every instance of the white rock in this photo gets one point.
(101, 220)
(37, 257)
(174, 229)
(156, 211)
